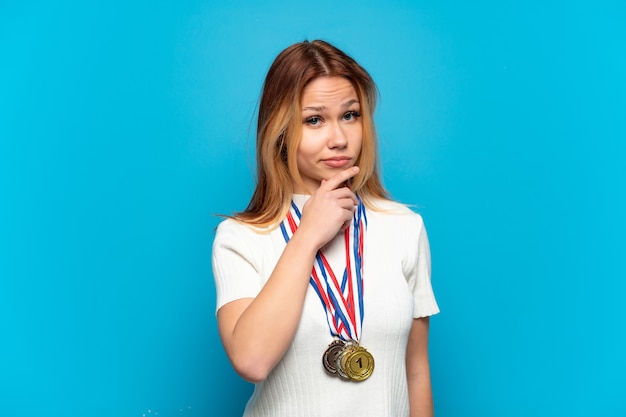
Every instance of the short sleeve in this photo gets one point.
(417, 269)
(235, 265)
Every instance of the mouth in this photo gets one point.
(337, 161)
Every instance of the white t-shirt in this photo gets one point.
(397, 289)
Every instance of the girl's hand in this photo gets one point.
(330, 209)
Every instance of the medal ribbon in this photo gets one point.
(342, 300)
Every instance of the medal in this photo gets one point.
(341, 359)
(329, 359)
(359, 364)
(342, 299)
(354, 363)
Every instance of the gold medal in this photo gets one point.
(358, 365)
(329, 358)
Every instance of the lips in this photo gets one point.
(337, 161)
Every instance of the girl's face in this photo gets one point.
(332, 131)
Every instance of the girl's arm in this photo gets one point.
(418, 370)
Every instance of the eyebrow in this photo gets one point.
(321, 108)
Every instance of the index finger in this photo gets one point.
(339, 178)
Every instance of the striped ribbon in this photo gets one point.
(342, 300)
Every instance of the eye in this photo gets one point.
(351, 115)
(313, 120)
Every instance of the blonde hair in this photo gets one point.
(279, 128)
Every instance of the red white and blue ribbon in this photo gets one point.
(341, 297)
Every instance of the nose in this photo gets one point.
(337, 137)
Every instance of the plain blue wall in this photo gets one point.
(126, 125)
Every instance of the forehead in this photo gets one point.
(328, 91)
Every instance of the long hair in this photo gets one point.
(279, 128)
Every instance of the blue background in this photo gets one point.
(125, 126)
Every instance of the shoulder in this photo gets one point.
(231, 226)
(395, 212)
(236, 241)
(392, 221)
(232, 231)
